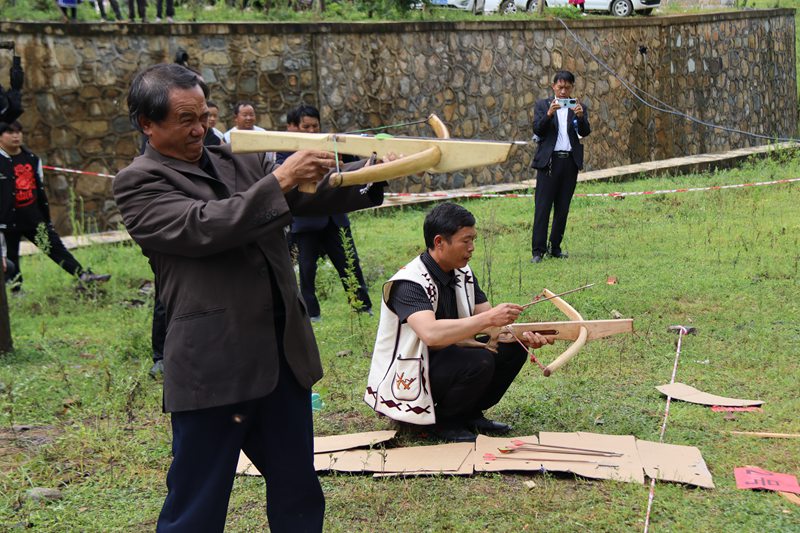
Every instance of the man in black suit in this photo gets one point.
(324, 235)
(557, 124)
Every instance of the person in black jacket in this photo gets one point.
(323, 235)
(24, 209)
(557, 125)
(11, 98)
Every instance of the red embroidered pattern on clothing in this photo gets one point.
(26, 185)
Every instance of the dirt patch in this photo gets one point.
(18, 443)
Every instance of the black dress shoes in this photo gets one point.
(453, 433)
(484, 425)
(537, 258)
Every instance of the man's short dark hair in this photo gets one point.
(295, 116)
(240, 104)
(148, 96)
(445, 220)
(10, 126)
(565, 75)
(291, 118)
(209, 103)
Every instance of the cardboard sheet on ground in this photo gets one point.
(672, 462)
(626, 467)
(686, 393)
(467, 469)
(515, 461)
(325, 445)
(442, 458)
(337, 443)
(750, 477)
(245, 467)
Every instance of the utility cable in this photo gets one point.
(667, 107)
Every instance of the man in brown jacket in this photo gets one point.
(240, 354)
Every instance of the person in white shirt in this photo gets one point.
(244, 118)
(558, 125)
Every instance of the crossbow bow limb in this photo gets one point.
(576, 329)
(421, 154)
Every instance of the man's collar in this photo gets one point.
(183, 167)
(446, 279)
(8, 155)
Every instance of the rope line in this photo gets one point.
(667, 107)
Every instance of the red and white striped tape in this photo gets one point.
(443, 194)
(586, 195)
(71, 171)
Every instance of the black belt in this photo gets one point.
(562, 155)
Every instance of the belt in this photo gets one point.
(562, 155)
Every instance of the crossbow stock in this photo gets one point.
(421, 154)
(575, 329)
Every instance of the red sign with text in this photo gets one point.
(756, 478)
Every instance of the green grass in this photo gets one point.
(725, 262)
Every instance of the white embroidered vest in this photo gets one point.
(398, 384)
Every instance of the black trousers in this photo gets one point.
(554, 189)
(276, 433)
(114, 6)
(69, 12)
(142, 7)
(170, 8)
(466, 381)
(312, 245)
(56, 250)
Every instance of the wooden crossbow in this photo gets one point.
(575, 329)
(421, 154)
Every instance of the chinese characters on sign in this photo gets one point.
(756, 478)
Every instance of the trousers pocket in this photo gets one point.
(406, 382)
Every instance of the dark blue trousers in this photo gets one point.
(328, 241)
(275, 432)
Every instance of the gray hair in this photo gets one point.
(148, 96)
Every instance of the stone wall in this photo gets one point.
(735, 69)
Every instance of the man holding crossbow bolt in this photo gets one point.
(421, 373)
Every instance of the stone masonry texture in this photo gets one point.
(735, 69)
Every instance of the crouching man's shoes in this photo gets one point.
(484, 425)
(453, 433)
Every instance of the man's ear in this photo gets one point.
(146, 125)
(437, 241)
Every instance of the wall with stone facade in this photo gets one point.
(735, 69)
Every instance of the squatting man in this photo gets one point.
(420, 374)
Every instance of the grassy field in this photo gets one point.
(725, 262)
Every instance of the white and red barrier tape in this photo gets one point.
(651, 496)
(443, 194)
(585, 195)
(71, 171)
